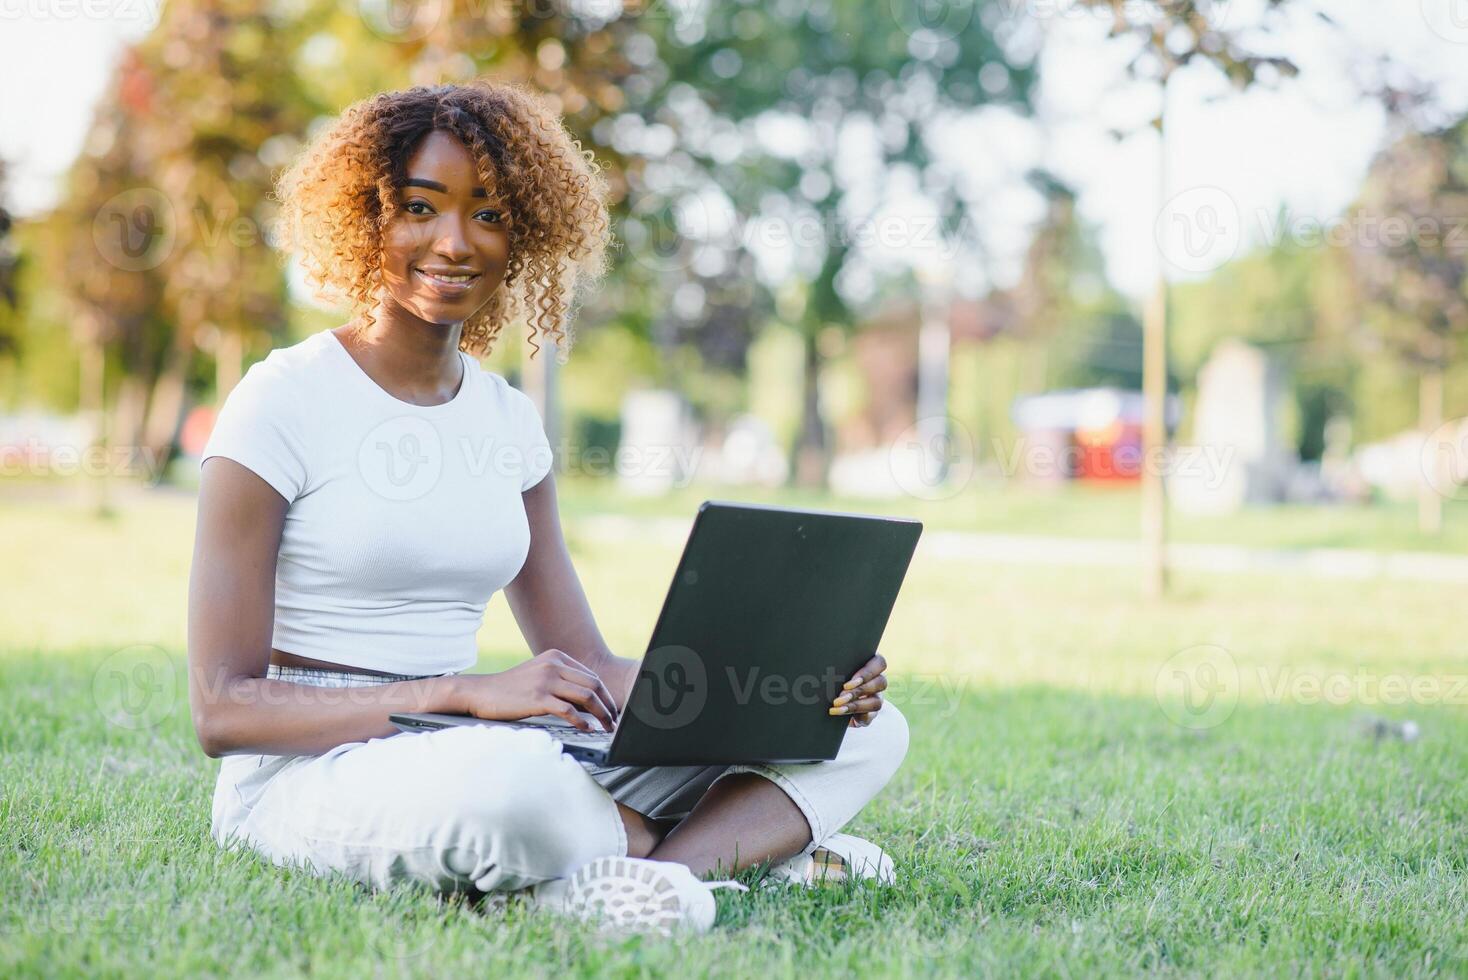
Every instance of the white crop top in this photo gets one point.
(403, 519)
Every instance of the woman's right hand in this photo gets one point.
(549, 683)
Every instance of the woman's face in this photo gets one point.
(445, 252)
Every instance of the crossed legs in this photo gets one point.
(501, 809)
(742, 820)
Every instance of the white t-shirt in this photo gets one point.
(403, 519)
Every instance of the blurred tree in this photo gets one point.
(213, 84)
(1294, 299)
(756, 120)
(1410, 251)
(106, 232)
(1075, 321)
(1167, 37)
(166, 211)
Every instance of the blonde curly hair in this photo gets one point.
(341, 192)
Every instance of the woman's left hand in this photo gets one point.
(861, 697)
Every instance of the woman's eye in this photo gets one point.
(494, 216)
(412, 205)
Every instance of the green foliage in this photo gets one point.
(1409, 248)
(1294, 302)
(1072, 328)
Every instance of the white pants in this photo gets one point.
(492, 808)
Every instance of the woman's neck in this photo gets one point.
(412, 359)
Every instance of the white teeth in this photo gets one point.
(430, 275)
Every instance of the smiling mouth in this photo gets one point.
(447, 280)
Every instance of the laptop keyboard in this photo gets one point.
(570, 733)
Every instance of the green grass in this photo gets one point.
(1080, 511)
(1051, 817)
(1073, 510)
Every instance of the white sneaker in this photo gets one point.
(634, 895)
(837, 858)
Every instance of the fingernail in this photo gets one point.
(842, 700)
(838, 711)
(854, 682)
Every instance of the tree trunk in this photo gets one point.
(166, 403)
(934, 351)
(229, 363)
(1154, 397)
(135, 379)
(1429, 420)
(128, 412)
(812, 457)
(165, 413)
(91, 406)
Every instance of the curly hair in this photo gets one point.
(344, 188)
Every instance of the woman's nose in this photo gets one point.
(451, 242)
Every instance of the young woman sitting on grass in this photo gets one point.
(358, 507)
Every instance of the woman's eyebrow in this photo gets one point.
(434, 185)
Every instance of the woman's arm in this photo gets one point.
(551, 608)
(236, 709)
(549, 604)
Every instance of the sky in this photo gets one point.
(1232, 162)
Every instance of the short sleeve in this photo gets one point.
(538, 457)
(258, 428)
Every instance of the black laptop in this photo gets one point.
(770, 611)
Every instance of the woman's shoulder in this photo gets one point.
(499, 387)
(298, 361)
(288, 377)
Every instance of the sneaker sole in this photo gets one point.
(623, 896)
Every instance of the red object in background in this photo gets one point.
(1101, 428)
(1111, 453)
(196, 428)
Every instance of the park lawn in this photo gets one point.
(1054, 815)
(1069, 510)
(1076, 510)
